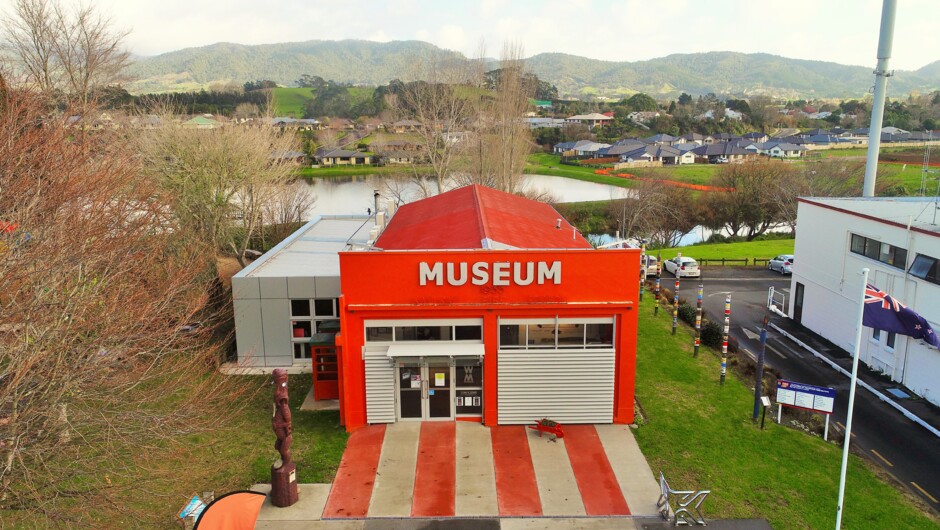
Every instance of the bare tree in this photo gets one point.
(62, 50)
(502, 141)
(96, 279)
(440, 98)
(220, 179)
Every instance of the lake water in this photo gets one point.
(346, 195)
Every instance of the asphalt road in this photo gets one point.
(903, 449)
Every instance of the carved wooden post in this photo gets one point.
(283, 472)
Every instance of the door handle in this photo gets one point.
(424, 389)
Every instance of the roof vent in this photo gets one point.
(558, 224)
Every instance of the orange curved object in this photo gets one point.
(237, 510)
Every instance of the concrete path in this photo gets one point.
(408, 475)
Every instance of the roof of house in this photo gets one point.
(477, 217)
(338, 153)
(661, 138)
(591, 116)
(720, 149)
(752, 135)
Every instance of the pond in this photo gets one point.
(354, 194)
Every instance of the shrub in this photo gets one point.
(687, 314)
(711, 334)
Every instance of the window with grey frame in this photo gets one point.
(563, 335)
(878, 251)
(306, 317)
(926, 268)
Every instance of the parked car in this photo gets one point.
(651, 266)
(682, 267)
(782, 264)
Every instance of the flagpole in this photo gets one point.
(848, 420)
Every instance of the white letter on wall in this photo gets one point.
(433, 274)
(450, 274)
(500, 274)
(529, 273)
(550, 273)
(481, 273)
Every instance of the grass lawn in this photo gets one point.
(688, 173)
(291, 101)
(746, 249)
(546, 164)
(700, 434)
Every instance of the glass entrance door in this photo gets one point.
(439, 393)
(410, 392)
(425, 391)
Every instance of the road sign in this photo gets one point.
(803, 396)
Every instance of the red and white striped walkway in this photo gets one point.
(459, 469)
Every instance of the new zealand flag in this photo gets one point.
(885, 313)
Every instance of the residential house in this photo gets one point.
(777, 149)
(756, 137)
(696, 138)
(726, 137)
(341, 157)
(299, 124)
(719, 152)
(662, 139)
(579, 148)
(548, 123)
(404, 126)
(643, 116)
(591, 120)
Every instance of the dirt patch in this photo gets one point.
(227, 267)
(912, 156)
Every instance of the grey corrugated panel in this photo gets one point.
(380, 387)
(569, 386)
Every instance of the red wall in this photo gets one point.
(385, 285)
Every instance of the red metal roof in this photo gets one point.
(478, 217)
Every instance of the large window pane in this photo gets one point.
(600, 334)
(468, 332)
(925, 268)
(542, 335)
(511, 335)
(379, 334)
(324, 307)
(300, 308)
(858, 244)
(570, 335)
(873, 249)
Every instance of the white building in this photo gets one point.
(898, 239)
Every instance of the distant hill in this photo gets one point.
(374, 63)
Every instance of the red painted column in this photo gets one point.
(490, 346)
(353, 396)
(625, 369)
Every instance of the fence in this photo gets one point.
(733, 261)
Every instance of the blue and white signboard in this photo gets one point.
(809, 397)
(193, 508)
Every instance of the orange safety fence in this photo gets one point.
(699, 187)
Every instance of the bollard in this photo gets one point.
(698, 320)
(724, 339)
(675, 306)
(656, 307)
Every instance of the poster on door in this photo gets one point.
(440, 379)
(416, 381)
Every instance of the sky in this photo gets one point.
(842, 31)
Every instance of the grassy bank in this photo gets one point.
(291, 101)
(700, 435)
(545, 164)
(741, 250)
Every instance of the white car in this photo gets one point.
(782, 264)
(682, 267)
(651, 266)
